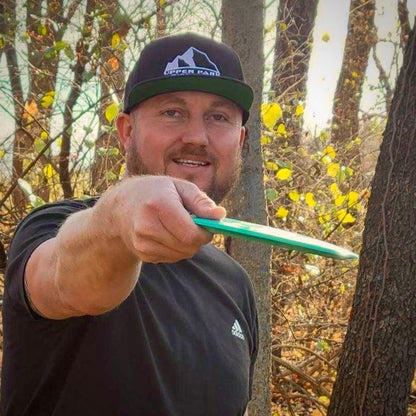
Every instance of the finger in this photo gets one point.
(151, 251)
(198, 202)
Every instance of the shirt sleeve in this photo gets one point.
(40, 225)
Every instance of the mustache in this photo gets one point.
(192, 150)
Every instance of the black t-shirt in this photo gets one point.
(183, 343)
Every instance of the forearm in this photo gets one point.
(94, 270)
(86, 269)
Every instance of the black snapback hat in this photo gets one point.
(188, 62)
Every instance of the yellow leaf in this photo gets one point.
(42, 29)
(111, 112)
(265, 140)
(345, 217)
(46, 101)
(271, 165)
(354, 74)
(333, 170)
(1, 154)
(265, 178)
(342, 288)
(115, 40)
(294, 196)
(59, 142)
(282, 212)
(324, 218)
(284, 174)
(334, 190)
(310, 199)
(122, 170)
(44, 135)
(299, 110)
(281, 129)
(349, 171)
(339, 200)
(162, 3)
(326, 37)
(353, 198)
(324, 400)
(271, 113)
(326, 160)
(48, 171)
(330, 151)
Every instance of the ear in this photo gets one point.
(124, 128)
(243, 135)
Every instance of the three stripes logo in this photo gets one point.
(236, 330)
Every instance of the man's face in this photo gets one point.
(189, 135)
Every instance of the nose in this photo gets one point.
(195, 132)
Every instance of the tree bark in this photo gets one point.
(243, 30)
(359, 41)
(378, 358)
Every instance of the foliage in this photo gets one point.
(310, 188)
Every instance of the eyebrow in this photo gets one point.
(219, 102)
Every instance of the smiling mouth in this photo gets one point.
(192, 163)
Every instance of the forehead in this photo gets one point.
(190, 98)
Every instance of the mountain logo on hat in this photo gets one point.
(192, 62)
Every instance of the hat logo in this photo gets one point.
(192, 62)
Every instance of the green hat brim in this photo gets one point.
(236, 91)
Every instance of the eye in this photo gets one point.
(219, 117)
(171, 113)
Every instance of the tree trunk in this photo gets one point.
(378, 358)
(292, 52)
(243, 30)
(359, 41)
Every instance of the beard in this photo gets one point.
(217, 188)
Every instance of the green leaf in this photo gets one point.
(61, 44)
(322, 346)
(86, 76)
(38, 144)
(49, 53)
(111, 176)
(113, 151)
(271, 194)
(89, 144)
(69, 53)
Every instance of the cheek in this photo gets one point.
(151, 152)
(228, 153)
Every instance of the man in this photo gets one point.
(118, 305)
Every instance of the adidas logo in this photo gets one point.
(192, 62)
(236, 330)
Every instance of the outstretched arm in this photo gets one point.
(93, 263)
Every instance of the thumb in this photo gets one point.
(198, 202)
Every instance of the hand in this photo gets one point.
(152, 214)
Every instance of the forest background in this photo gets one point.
(63, 66)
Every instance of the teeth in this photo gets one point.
(191, 162)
